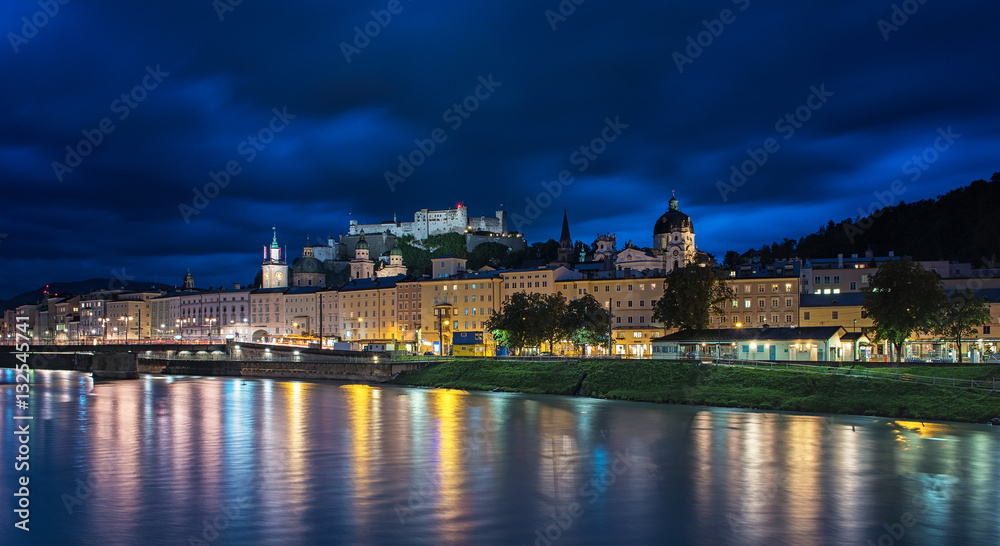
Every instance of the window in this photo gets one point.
(805, 315)
(760, 303)
(760, 288)
(836, 279)
(816, 280)
(618, 303)
(788, 318)
(864, 313)
(774, 303)
(788, 286)
(826, 279)
(746, 288)
(630, 288)
(746, 304)
(986, 330)
(748, 319)
(637, 334)
(774, 288)
(735, 304)
(630, 320)
(618, 320)
(607, 288)
(774, 319)
(836, 315)
(642, 303)
(788, 302)
(618, 288)
(854, 285)
(630, 303)
(864, 279)
(836, 290)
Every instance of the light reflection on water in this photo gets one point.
(179, 460)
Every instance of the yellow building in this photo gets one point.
(757, 301)
(462, 303)
(368, 311)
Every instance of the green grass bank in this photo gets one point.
(685, 383)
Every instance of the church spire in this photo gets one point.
(565, 229)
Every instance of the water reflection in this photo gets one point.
(174, 460)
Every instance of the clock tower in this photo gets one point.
(274, 269)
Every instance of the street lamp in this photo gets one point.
(854, 349)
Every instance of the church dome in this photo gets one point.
(396, 251)
(673, 220)
(307, 265)
(362, 244)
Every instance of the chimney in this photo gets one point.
(840, 261)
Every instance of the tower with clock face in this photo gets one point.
(274, 269)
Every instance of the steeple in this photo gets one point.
(565, 252)
(188, 280)
(565, 229)
(274, 241)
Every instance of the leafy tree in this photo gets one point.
(447, 243)
(527, 320)
(492, 254)
(691, 295)
(586, 321)
(902, 297)
(959, 316)
(732, 259)
(547, 251)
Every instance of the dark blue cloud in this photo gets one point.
(119, 207)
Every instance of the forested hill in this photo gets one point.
(962, 225)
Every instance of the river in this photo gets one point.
(202, 460)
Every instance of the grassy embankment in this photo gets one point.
(685, 383)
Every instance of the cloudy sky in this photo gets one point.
(116, 117)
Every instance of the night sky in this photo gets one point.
(312, 117)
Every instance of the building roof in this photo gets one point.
(565, 229)
(831, 300)
(376, 284)
(673, 220)
(730, 335)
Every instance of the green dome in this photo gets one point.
(395, 250)
(361, 242)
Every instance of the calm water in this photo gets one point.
(186, 460)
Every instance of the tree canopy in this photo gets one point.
(690, 296)
(901, 298)
(587, 322)
(959, 316)
(529, 319)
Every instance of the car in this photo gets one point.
(429, 353)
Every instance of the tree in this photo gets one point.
(586, 321)
(902, 297)
(488, 253)
(959, 316)
(527, 320)
(691, 295)
(447, 244)
(732, 259)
